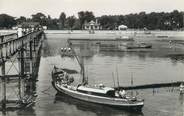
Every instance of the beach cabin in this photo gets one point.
(122, 27)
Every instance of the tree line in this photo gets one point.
(155, 20)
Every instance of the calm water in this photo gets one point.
(165, 63)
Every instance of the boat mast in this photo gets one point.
(81, 63)
(117, 76)
(132, 83)
(83, 71)
(113, 79)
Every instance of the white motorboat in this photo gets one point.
(101, 94)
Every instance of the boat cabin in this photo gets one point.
(101, 91)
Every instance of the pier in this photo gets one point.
(148, 86)
(25, 52)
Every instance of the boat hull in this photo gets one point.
(118, 103)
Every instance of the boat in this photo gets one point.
(101, 94)
(126, 47)
(139, 46)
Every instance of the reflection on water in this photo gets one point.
(181, 98)
(99, 110)
(147, 67)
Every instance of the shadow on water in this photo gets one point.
(99, 110)
(24, 112)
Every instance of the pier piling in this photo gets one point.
(26, 50)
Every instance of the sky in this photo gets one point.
(53, 8)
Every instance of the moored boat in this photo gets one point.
(139, 46)
(101, 94)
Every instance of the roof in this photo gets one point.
(103, 90)
(91, 23)
(122, 26)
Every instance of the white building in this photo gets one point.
(44, 27)
(92, 25)
(122, 27)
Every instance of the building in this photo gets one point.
(44, 27)
(122, 27)
(92, 25)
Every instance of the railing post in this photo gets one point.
(3, 78)
(21, 71)
(1, 47)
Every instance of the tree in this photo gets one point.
(70, 22)
(85, 16)
(53, 24)
(62, 19)
(39, 17)
(49, 18)
(81, 16)
(21, 19)
(6, 21)
(109, 22)
(176, 19)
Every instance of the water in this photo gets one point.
(164, 64)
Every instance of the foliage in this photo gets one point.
(39, 17)
(21, 20)
(154, 20)
(62, 19)
(6, 21)
(70, 21)
(85, 16)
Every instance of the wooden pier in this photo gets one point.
(26, 51)
(148, 86)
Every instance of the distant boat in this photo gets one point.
(139, 46)
(125, 47)
(162, 36)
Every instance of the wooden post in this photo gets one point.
(3, 87)
(31, 67)
(19, 81)
(2, 37)
(21, 73)
(3, 79)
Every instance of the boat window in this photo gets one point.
(93, 93)
(111, 93)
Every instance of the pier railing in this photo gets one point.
(9, 36)
(10, 46)
(26, 51)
